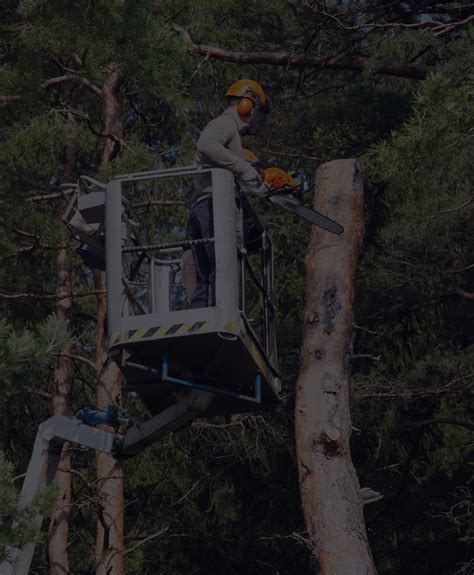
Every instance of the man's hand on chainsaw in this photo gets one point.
(277, 185)
(255, 187)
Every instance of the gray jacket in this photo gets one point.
(219, 145)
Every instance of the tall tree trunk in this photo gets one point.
(330, 490)
(112, 114)
(59, 525)
(109, 541)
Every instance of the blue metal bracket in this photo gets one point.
(211, 389)
(113, 416)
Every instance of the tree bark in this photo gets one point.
(330, 490)
(109, 541)
(58, 532)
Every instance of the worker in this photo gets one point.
(219, 145)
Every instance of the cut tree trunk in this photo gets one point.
(329, 487)
(110, 525)
(58, 532)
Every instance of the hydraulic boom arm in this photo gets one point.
(53, 433)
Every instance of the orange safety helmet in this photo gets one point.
(252, 103)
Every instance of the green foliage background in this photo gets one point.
(222, 496)
(17, 351)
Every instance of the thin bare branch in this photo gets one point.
(39, 392)
(80, 358)
(84, 116)
(170, 202)
(450, 210)
(13, 98)
(69, 77)
(368, 25)
(73, 78)
(145, 540)
(298, 537)
(437, 421)
(452, 26)
(26, 234)
(366, 356)
(292, 155)
(460, 270)
(435, 25)
(462, 294)
(52, 196)
(364, 329)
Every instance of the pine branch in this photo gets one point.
(30, 248)
(356, 63)
(437, 421)
(30, 295)
(73, 78)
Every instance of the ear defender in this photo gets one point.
(245, 106)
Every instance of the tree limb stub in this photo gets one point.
(356, 63)
(368, 495)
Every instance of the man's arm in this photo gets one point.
(212, 147)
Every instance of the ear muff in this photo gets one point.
(245, 106)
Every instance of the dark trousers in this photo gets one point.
(201, 225)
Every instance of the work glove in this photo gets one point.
(249, 172)
(254, 187)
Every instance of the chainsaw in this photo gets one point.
(286, 190)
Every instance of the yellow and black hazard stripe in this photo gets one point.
(159, 331)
